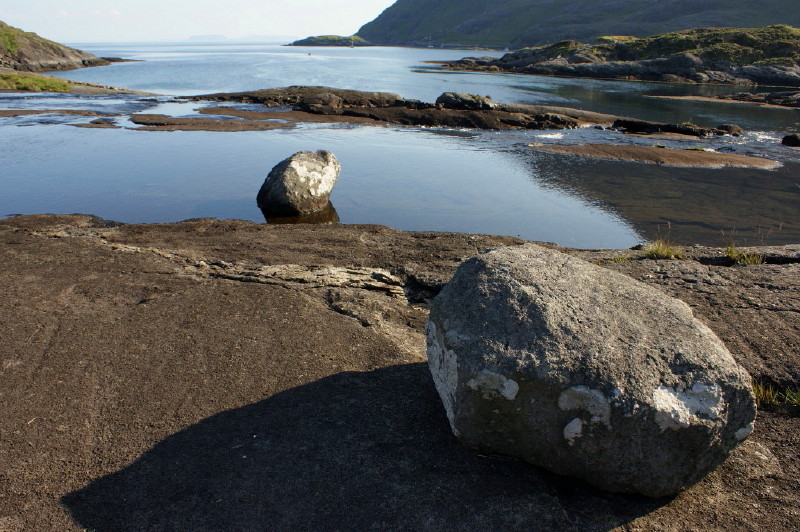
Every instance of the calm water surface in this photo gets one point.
(408, 178)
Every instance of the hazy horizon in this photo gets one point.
(90, 21)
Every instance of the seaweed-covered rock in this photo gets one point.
(585, 372)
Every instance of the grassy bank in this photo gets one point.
(32, 82)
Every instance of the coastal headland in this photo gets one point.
(224, 374)
(737, 56)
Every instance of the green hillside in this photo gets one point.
(519, 23)
(21, 50)
(772, 45)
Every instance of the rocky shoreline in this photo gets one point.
(732, 56)
(155, 372)
(680, 68)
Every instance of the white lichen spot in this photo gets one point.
(678, 408)
(744, 432)
(493, 385)
(573, 430)
(443, 364)
(583, 398)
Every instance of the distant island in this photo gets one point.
(768, 56)
(332, 40)
(520, 23)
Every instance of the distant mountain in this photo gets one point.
(249, 39)
(519, 23)
(20, 50)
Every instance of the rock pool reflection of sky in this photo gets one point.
(407, 179)
(415, 179)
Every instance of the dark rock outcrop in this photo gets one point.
(585, 372)
(791, 140)
(649, 128)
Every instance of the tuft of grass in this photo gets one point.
(661, 249)
(742, 258)
(791, 397)
(766, 394)
(33, 83)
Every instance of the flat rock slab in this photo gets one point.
(156, 122)
(665, 156)
(209, 375)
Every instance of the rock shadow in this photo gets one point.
(326, 216)
(354, 451)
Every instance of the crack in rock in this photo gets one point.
(373, 279)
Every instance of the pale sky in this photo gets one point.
(175, 20)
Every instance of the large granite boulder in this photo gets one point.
(585, 372)
(300, 185)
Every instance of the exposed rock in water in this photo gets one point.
(451, 110)
(648, 128)
(465, 102)
(585, 372)
(792, 140)
(297, 94)
(730, 129)
(158, 122)
(782, 99)
(299, 185)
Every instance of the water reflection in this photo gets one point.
(327, 216)
(640, 100)
(686, 205)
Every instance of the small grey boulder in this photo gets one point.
(465, 102)
(791, 140)
(585, 372)
(300, 185)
